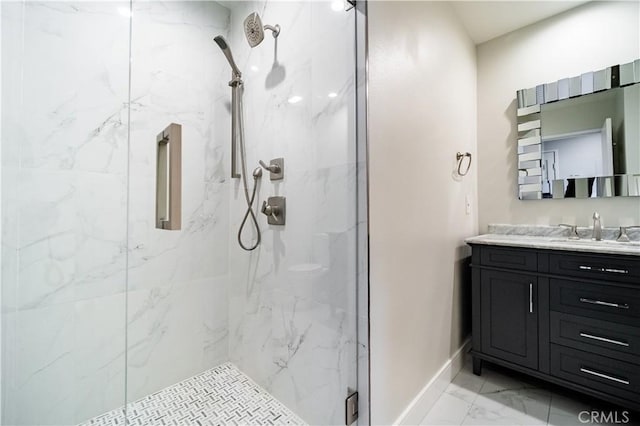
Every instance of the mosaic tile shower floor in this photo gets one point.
(220, 396)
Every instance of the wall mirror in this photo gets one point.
(580, 137)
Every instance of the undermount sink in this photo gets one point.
(594, 242)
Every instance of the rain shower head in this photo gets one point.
(254, 30)
(222, 44)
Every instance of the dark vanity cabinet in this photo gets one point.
(570, 318)
(510, 331)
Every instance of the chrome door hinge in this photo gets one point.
(351, 408)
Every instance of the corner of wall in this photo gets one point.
(420, 406)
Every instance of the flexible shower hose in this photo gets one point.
(257, 173)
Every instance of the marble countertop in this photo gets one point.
(554, 238)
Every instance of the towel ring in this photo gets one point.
(460, 157)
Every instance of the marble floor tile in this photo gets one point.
(568, 409)
(497, 380)
(479, 415)
(520, 406)
(466, 385)
(448, 410)
(564, 410)
(502, 397)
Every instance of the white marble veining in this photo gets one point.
(292, 313)
(502, 397)
(79, 240)
(177, 280)
(559, 231)
(64, 209)
(556, 238)
(82, 260)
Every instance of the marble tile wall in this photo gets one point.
(64, 208)
(81, 259)
(177, 280)
(72, 235)
(292, 311)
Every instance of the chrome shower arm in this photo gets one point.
(274, 28)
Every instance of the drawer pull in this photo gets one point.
(597, 269)
(600, 302)
(604, 376)
(604, 339)
(617, 271)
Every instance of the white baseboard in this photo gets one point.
(424, 400)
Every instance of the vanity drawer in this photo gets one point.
(597, 372)
(600, 337)
(610, 268)
(600, 301)
(508, 257)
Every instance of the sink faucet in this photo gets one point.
(597, 227)
(573, 231)
(622, 236)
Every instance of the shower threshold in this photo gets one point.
(220, 396)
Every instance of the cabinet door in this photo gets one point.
(509, 317)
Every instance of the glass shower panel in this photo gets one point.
(178, 280)
(64, 206)
(99, 307)
(203, 314)
(292, 315)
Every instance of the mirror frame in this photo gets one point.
(529, 149)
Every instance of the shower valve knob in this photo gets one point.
(271, 211)
(274, 209)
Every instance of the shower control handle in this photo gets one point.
(275, 168)
(274, 208)
(271, 211)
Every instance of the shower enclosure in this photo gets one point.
(104, 316)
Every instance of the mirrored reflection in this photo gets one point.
(591, 145)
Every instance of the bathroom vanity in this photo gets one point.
(562, 310)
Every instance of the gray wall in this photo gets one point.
(587, 38)
(422, 111)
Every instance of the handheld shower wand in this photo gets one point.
(222, 44)
(237, 140)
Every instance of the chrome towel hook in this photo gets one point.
(460, 157)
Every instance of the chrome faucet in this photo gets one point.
(573, 231)
(597, 227)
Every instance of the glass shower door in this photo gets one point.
(104, 315)
(293, 303)
(64, 210)
(177, 305)
(208, 322)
